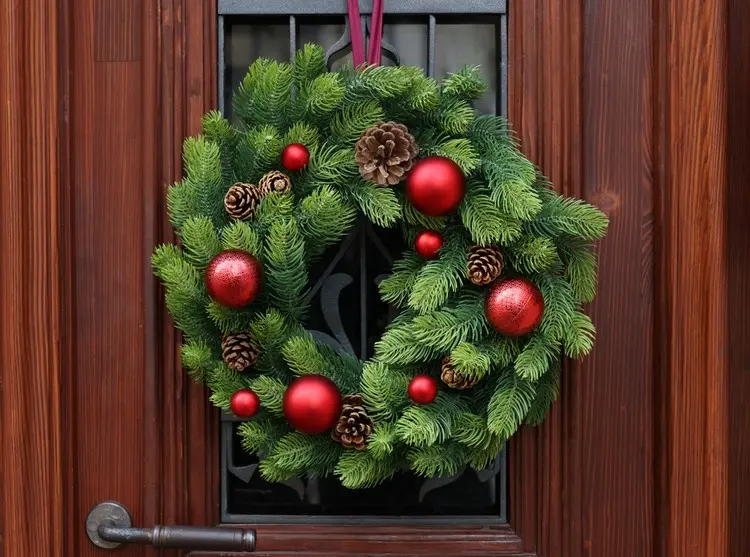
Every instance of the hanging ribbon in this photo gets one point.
(376, 33)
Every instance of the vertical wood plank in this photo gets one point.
(31, 298)
(693, 278)
(738, 201)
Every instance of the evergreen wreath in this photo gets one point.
(488, 300)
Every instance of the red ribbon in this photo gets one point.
(376, 33)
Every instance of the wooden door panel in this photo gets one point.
(620, 102)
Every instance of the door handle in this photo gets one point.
(109, 525)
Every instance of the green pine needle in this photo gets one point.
(309, 62)
(270, 392)
(240, 235)
(579, 338)
(200, 241)
(510, 404)
(380, 205)
(396, 288)
(440, 278)
(383, 440)
(485, 221)
(455, 116)
(437, 460)
(533, 254)
(547, 391)
(467, 84)
(349, 124)
(260, 435)
(198, 358)
(535, 358)
(422, 426)
(363, 469)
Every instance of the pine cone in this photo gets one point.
(239, 351)
(242, 200)
(485, 264)
(453, 378)
(385, 153)
(354, 425)
(274, 181)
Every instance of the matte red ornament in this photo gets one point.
(295, 156)
(514, 307)
(312, 404)
(435, 186)
(234, 278)
(423, 389)
(244, 403)
(428, 243)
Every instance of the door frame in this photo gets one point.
(622, 466)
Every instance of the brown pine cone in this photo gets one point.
(242, 200)
(385, 153)
(354, 425)
(453, 378)
(274, 181)
(485, 264)
(239, 351)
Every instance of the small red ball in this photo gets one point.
(428, 243)
(244, 403)
(295, 156)
(514, 307)
(423, 389)
(234, 278)
(312, 404)
(435, 186)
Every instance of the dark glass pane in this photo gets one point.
(346, 311)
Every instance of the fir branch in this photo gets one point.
(533, 254)
(380, 205)
(318, 99)
(264, 95)
(286, 276)
(230, 320)
(573, 217)
(302, 355)
(422, 426)
(471, 360)
(449, 326)
(224, 382)
(273, 207)
(324, 218)
(309, 62)
(483, 457)
(333, 165)
(502, 350)
(383, 440)
(260, 435)
(485, 222)
(396, 288)
(471, 430)
(217, 129)
(455, 116)
(266, 144)
(512, 186)
(440, 278)
(398, 346)
(182, 203)
(424, 95)
(459, 150)
(198, 358)
(386, 82)
(490, 131)
(559, 306)
(240, 235)
(578, 339)
(363, 469)
(350, 123)
(384, 390)
(580, 267)
(304, 133)
(547, 391)
(466, 84)
(534, 360)
(296, 453)
(413, 217)
(204, 174)
(437, 460)
(200, 241)
(270, 392)
(510, 404)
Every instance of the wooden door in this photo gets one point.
(628, 104)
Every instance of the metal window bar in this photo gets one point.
(431, 13)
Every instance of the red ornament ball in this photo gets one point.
(423, 389)
(428, 243)
(294, 157)
(514, 307)
(312, 404)
(244, 403)
(435, 186)
(234, 278)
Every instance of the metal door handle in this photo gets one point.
(109, 525)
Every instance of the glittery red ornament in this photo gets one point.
(428, 243)
(514, 306)
(312, 404)
(244, 403)
(295, 156)
(435, 186)
(234, 278)
(423, 389)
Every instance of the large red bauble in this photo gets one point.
(514, 307)
(295, 156)
(428, 243)
(244, 403)
(423, 389)
(234, 278)
(435, 186)
(312, 404)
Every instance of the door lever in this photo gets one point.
(109, 525)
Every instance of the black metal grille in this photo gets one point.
(346, 312)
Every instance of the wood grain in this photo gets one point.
(32, 303)
(693, 278)
(738, 206)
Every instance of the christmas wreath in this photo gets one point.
(489, 290)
